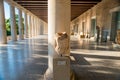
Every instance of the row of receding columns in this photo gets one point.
(27, 30)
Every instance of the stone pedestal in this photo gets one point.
(61, 69)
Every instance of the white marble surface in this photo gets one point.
(24, 60)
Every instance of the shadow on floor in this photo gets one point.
(84, 70)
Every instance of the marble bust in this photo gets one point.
(62, 44)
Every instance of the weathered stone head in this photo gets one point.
(62, 44)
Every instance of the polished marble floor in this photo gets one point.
(28, 59)
(95, 61)
(24, 60)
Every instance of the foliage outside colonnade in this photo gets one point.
(8, 26)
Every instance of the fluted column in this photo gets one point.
(3, 36)
(35, 26)
(29, 26)
(32, 19)
(58, 21)
(13, 24)
(20, 24)
(41, 27)
(26, 26)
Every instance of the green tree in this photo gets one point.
(7, 23)
(8, 26)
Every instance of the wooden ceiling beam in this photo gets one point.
(82, 4)
(40, 7)
(84, 1)
(32, 1)
(47, 6)
(37, 9)
(34, 6)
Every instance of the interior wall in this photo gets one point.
(101, 12)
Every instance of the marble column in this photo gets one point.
(13, 23)
(3, 36)
(20, 24)
(41, 27)
(29, 25)
(32, 26)
(26, 25)
(58, 21)
(35, 26)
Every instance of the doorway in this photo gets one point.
(93, 28)
(115, 25)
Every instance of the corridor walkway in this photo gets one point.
(28, 60)
(24, 60)
(95, 61)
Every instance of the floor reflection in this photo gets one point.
(22, 60)
(95, 61)
(28, 60)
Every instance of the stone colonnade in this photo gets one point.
(27, 28)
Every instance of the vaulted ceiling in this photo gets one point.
(40, 7)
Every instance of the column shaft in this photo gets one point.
(30, 26)
(58, 21)
(32, 19)
(13, 24)
(21, 30)
(26, 26)
(3, 36)
(35, 26)
(41, 27)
